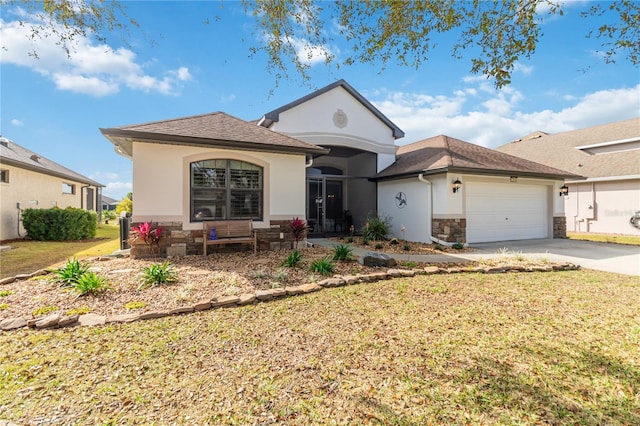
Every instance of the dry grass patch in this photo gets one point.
(548, 348)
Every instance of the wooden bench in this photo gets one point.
(229, 232)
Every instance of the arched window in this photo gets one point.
(226, 189)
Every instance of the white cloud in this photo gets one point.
(117, 190)
(310, 54)
(16, 122)
(493, 118)
(93, 69)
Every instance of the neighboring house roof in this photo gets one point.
(608, 150)
(446, 154)
(214, 130)
(109, 200)
(274, 115)
(16, 155)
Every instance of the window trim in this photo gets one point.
(228, 189)
(71, 186)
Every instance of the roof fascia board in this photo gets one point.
(165, 139)
(616, 142)
(49, 172)
(274, 116)
(605, 179)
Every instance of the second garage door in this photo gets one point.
(501, 212)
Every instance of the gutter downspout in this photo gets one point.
(82, 195)
(434, 239)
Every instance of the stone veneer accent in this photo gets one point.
(178, 242)
(57, 320)
(559, 227)
(450, 230)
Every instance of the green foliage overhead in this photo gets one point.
(70, 224)
(492, 34)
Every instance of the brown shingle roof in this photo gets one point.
(443, 153)
(216, 129)
(561, 149)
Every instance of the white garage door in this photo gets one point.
(501, 212)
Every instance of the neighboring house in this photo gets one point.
(329, 157)
(109, 203)
(447, 190)
(28, 180)
(608, 156)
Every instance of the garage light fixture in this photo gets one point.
(456, 185)
(564, 190)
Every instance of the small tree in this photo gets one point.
(298, 229)
(126, 204)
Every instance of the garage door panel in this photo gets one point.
(499, 212)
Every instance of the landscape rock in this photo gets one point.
(246, 298)
(377, 259)
(430, 270)
(48, 321)
(181, 310)
(224, 301)
(23, 276)
(203, 305)
(7, 280)
(311, 287)
(121, 318)
(12, 323)
(92, 319)
(294, 290)
(351, 279)
(401, 272)
(67, 320)
(153, 315)
(332, 282)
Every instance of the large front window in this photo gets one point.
(226, 189)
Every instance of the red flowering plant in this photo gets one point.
(147, 233)
(298, 229)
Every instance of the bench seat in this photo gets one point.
(229, 232)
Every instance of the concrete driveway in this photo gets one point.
(618, 258)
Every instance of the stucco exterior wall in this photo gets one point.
(603, 207)
(33, 190)
(314, 121)
(162, 182)
(414, 216)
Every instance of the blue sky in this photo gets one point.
(178, 66)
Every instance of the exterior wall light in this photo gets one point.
(564, 190)
(456, 185)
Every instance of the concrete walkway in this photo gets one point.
(618, 258)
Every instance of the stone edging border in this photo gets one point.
(57, 320)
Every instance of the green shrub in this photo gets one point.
(135, 305)
(68, 274)
(44, 310)
(438, 246)
(377, 228)
(293, 259)
(458, 246)
(108, 215)
(406, 247)
(79, 311)
(342, 252)
(5, 293)
(90, 283)
(322, 266)
(378, 246)
(4, 306)
(158, 273)
(60, 224)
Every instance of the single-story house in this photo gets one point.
(29, 180)
(329, 157)
(109, 203)
(608, 156)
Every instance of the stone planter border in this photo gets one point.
(58, 320)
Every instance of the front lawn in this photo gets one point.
(605, 238)
(28, 256)
(518, 348)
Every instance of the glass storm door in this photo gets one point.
(324, 204)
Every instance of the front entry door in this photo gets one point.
(325, 211)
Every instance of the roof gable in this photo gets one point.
(443, 153)
(216, 129)
(274, 116)
(16, 155)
